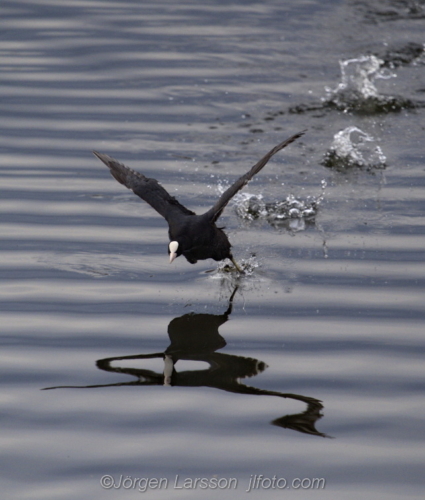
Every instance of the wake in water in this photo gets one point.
(353, 148)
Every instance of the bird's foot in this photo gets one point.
(239, 269)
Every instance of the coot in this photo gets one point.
(195, 236)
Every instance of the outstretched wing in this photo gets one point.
(149, 190)
(215, 212)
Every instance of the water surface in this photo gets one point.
(312, 366)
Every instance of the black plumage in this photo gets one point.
(195, 236)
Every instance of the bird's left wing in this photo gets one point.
(215, 212)
(149, 190)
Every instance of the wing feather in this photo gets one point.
(215, 212)
(148, 189)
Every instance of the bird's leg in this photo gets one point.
(240, 271)
(229, 309)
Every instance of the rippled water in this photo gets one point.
(311, 366)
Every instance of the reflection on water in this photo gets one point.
(195, 337)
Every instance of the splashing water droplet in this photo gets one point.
(224, 268)
(352, 147)
(357, 90)
(293, 213)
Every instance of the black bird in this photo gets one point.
(194, 236)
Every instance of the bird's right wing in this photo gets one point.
(149, 190)
(215, 212)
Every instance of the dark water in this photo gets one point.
(309, 368)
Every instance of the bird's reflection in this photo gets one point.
(195, 337)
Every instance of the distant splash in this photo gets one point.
(292, 213)
(353, 148)
(357, 90)
(358, 76)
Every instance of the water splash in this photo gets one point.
(247, 265)
(293, 213)
(352, 147)
(222, 186)
(225, 269)
(357, 91)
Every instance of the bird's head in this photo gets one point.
(174, 250)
